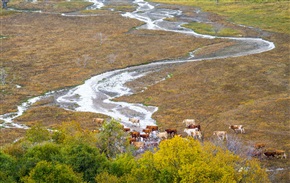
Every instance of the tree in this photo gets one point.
(48, 151)
(7, 168)
(112, 140)
(47, 172)
(122, 165)
(37, 134)
(72, 133)
(187, 160)
(105, 177)
(84, 159)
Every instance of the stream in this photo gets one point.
(97, 93)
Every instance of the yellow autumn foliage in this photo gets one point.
(187, 160)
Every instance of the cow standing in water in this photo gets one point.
(135, 121)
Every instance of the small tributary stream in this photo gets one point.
(97, 93)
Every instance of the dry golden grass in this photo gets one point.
(44, 52)
(47, 52)
(251, 90)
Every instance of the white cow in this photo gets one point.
(188, 122)
(196, 134)
(162, 135)
(189, 131)
(221, 134)
(99, 121)
(135, 121)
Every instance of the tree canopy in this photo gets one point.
(71, 154)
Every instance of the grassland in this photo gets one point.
(43, 52)
(251, 90)
(268, 15)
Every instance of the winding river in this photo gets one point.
(97, 93)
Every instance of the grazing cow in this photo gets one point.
(196, 135)
(280, 154)
(259, 145)
(146, 130)
(190, 131)
(270, 154)
(191, 126)
(99, 121)
(237, 128)
(171, 131)
(145, 136)
(126, 129)
(222, 135)
(152, 128)
(135, 121)
(139, 144)
(162, 135)
(135, 134)
(131, 140)
(188, 122)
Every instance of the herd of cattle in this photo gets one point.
(152, 135)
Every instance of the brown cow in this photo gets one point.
(269, 154)
(131, 140)
(259, 145)
(152, 128)
(237, 128)
(135, 134)
(191, 126)
(99, 121)
(146, 130)
(171, 131)
(144, 136)
(126, 129)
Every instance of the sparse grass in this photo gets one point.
(4, 12)
(208, 29)
(47, 52)
(50, 6)
(270, 15)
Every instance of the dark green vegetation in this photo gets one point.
(73, 155)
(270, 15)
(43, 52)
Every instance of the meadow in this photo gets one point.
(45, 52)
